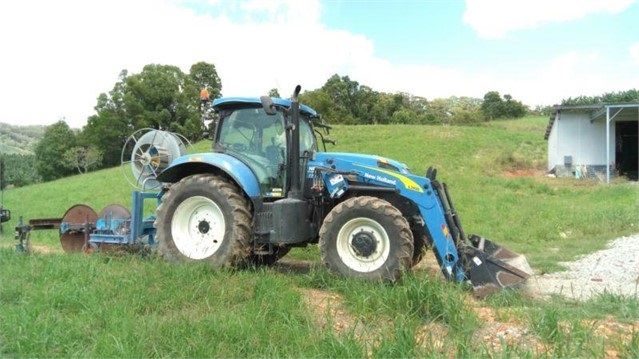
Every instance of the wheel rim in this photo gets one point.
(363, 244)
(198, 227)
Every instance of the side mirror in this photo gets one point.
(268, 106)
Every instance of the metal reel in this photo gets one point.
(83, 218)
(147, 152)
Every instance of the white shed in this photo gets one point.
(591, 140)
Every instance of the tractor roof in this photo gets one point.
(226, 102)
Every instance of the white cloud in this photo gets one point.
(496, 18)
(634, 52)
(569, 74)
(61, 54)
(58, 56)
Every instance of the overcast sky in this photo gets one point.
(56, 57)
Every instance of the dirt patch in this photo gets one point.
(615, 334)
(42, 249)
(500, 330)
(433, 336)
(328, 310)
(429, 265)
(523, 172)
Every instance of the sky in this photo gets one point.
(56, 57)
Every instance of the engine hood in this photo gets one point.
(366, 160)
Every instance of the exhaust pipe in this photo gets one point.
(295, 189)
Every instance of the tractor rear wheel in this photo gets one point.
(204, 217)
(366, 237)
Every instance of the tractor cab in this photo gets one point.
(247, 132)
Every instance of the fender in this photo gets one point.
(210, 162)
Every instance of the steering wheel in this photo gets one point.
(238, 147)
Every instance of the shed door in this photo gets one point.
(627, 148)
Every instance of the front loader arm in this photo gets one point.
(486, 265)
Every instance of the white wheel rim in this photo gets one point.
(349, 255)
(198, 227)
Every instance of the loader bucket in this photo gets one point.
(491, 267)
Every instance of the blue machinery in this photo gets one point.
(81, 229)
(114, 228)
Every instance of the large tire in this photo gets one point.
(420, 245)
(204, 217)
(366, 237)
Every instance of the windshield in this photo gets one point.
(259, 140)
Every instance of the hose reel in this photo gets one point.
(147, 152)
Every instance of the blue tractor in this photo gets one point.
(266, 187)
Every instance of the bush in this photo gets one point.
(466, 117)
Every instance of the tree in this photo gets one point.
(160, 97)
(82, 158)
(513, 108)
(495, 107)
(20, 170)
(57, 139)
(108, 129)
(205, 75)
(274, 93)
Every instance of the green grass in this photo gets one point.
(76, 305)
(54, 305)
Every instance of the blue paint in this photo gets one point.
(233, 167)
(428, 203)
(368, 160)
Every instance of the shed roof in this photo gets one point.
(596, 111)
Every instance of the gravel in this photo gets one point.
(614, 270)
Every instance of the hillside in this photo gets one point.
(69, 305)
(19, 139)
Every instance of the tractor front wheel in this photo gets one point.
(366, 237)
(204, 218)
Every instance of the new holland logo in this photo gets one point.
(407, 182)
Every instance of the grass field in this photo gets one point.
(75, 305)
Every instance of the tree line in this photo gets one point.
(344, 101)
(627, 96)
(164, 97)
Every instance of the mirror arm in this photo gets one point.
(322, 137)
